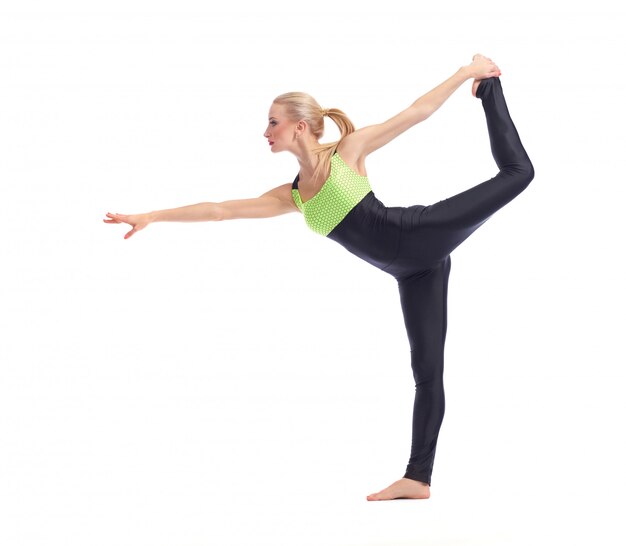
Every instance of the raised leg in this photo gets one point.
(451, 221)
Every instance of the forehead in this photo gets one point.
(277, 111)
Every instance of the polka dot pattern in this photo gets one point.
(343, 190)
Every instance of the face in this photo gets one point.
(280, 130)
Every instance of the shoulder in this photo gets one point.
(282, 192)
(351, 151)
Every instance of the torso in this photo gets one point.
(326, 205)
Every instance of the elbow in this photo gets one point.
(428, 111)
(422, 112)
(218, 213)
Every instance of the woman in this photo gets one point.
(411, 243)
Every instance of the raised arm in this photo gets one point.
(368, 139)
(272, 203)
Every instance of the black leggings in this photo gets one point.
(414, 244)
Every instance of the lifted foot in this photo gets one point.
(404, 488)
(475, 86)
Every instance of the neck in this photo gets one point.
(307, 159)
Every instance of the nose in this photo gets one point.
(266, 134)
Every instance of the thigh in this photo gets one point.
(469, 209)
(423, 297)
(439, 228)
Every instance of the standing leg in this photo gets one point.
(424, 306)
(423, 296)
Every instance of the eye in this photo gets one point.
(273, 123)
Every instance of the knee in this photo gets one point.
(528, 173)
(522, 173)
(427, 372)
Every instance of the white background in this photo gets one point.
(248, 383)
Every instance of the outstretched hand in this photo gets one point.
(483, 67)
(137, 221)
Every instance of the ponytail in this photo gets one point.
(326, 151)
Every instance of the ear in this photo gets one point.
(301, 127)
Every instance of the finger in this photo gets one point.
(111, 221)
(130, 233)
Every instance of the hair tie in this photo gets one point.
(324, 112)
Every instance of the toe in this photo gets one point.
(376, 496)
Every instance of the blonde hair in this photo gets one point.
(302, 106)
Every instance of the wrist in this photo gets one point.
(151, 216)
(466, 72)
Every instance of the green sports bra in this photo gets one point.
(341, 192)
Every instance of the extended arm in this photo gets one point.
(368, 139)
(272, 203)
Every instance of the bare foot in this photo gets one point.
(404, 488)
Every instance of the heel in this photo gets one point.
(484, 87)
